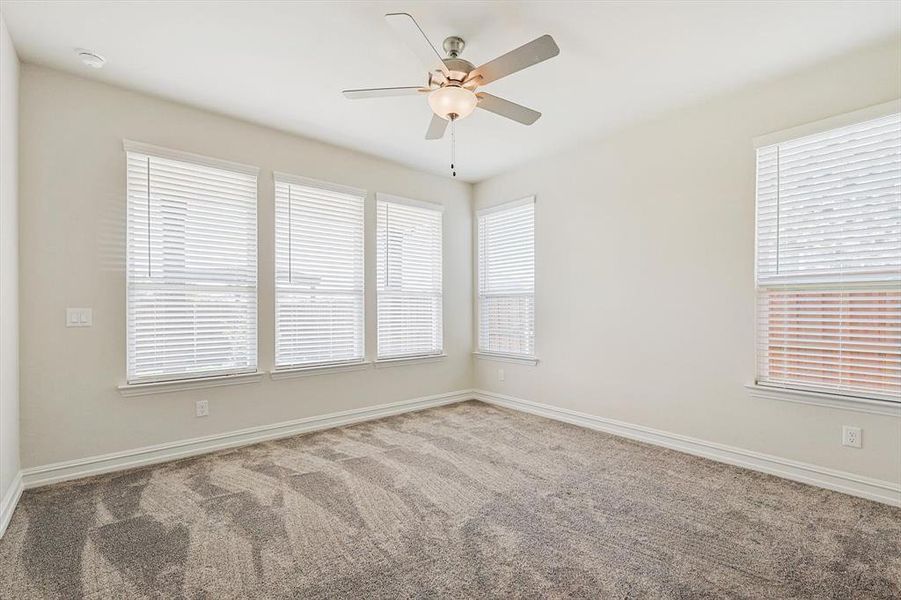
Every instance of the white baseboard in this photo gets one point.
(9, 501)
(128, 459)
(840, 481)
(848, 483)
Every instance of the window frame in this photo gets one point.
(872, 402)
(528, 359)
(327, 366)
(189, 380)
(441, 352)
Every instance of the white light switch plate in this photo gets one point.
(79, 317)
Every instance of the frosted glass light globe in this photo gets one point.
(452, 100)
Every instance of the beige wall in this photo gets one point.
(645, 273)
(645, 244)
(9, 262)
(72, 219)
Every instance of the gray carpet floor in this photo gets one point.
(461, 501)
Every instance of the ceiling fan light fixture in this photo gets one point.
(453, 100)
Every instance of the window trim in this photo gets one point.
(436, 206)
(425, 356)
(146, 388)
(500, 356)
(507, 358)
(305, 370)
(318, 369)
(524, 201)
(281, 176)
(860, 404)
(199, 159)
(834, 122)
(875, 403)
(414, 359)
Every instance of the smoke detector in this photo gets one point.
(91, 59)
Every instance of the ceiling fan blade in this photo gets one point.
(436, 128)
(416, 40)
(384, 92)
(536, 51)
(508, 109)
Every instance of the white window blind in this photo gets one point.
(829, 261)
(318, 274)
(408, 266)
(506, 256)
(191, 266)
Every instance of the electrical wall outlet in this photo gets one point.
(202, 408)
(500, 375)
(79, 317)
(852, 436)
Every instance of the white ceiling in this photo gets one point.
(283, 64)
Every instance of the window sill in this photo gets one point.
(409, 360)
(164, 387)
(852, 403)
(294, 373)
(507, 358)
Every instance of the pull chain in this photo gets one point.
(453, 144)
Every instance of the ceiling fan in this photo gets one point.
(452, 81)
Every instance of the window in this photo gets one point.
(829, 260)
(318, 273)
(191, 266)
(506, 255)
(408, 271)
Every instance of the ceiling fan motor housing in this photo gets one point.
(458, 69)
